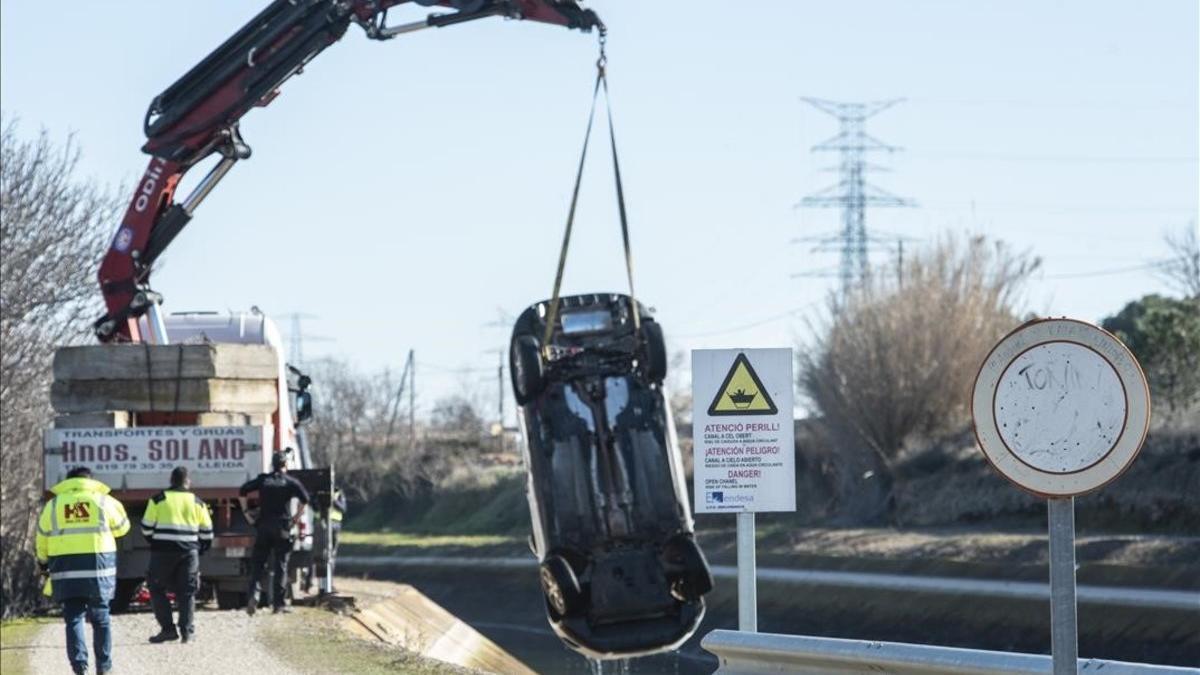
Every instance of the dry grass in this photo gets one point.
(16, 636)
(896, 360)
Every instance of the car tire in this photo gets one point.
(123, 596)
(695, 578)
(526, 369)
(561, 587)
(654, 352)
(230, 599)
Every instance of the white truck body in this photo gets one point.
(136, 461)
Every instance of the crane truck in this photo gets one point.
(193, 120)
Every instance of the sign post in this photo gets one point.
(747, 573)
(1061, 408)
(744, 439)
(1064, 632)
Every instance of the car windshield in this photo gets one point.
(574, 323)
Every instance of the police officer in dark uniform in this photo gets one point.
(276, 490)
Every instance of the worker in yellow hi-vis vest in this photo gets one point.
(179, 528)
(325, 552)
(77, 544)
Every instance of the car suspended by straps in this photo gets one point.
(612, 527)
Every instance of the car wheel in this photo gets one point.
(560, 586)
(230, 599)
(695, 578)
(654, 352)
(123, 596)
(526, 369)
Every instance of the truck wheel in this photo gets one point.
(124, 594)
(695, 578)
(654, 352)
(230, 599)
(526, 369)
(561, 587)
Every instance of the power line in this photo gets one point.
(1017, 157)
(456, 369)
(1052, 208)
(1144, 267)
(753, 324)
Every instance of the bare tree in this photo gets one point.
(1182, 270)
(459, 415)
(53, 230)
(896, 358)
(350, 424)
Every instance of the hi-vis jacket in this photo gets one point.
(177, 520)
(337, 509)
(77, 536)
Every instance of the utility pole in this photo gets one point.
(500, 385)
(504, 321)
(852, 193)
(412, 398)
(407, 380)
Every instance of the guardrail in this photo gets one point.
(1109, 596)
(761, 653)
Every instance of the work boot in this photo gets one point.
(251, 606)
(165, 636)
(187, 636)
(282, 609)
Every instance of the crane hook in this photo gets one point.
(602, 37)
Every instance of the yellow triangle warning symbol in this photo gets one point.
(742, 393)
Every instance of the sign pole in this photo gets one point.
(745, 448)
(1064, 639)
(747, 571)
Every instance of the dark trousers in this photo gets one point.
(96, 612)
(274, 543)
(179, 573)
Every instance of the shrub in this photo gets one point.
(1164, 334)
(897, 356)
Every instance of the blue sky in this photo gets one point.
(408, 192)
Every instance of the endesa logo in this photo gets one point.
(719, 497)
(74, 513)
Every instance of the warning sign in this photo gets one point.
(742, 393)
(743, 431)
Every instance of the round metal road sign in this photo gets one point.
(1061, 407)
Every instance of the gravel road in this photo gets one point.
(225, 644)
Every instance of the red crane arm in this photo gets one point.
(198, 116)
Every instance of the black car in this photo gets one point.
(612, 529)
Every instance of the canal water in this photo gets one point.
(505, 604)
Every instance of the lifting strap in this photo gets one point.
(552, 315)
